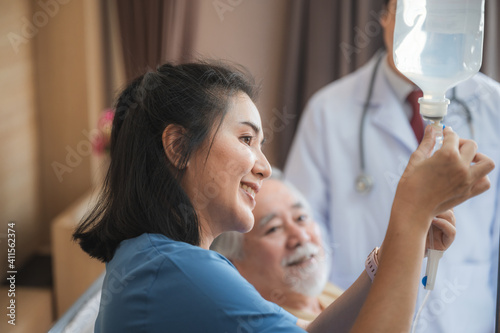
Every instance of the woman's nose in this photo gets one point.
(262, 166)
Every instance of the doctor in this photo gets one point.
(326, 162)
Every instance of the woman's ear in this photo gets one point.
(173, 142)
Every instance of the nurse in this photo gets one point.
(186, 164)
(326, 160)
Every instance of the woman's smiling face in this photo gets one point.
(222, 186)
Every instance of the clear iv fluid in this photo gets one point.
(439, 73)
(439, 140)
(438, 43)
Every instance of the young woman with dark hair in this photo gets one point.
(142, 191)
(186, 162)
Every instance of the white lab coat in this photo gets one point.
(324, 163)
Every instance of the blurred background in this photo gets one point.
(63, 62)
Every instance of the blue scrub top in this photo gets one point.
(155, 284)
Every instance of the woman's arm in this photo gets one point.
(428, 187)
(341, 314)
(390, 304)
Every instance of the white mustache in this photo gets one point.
(303, 252)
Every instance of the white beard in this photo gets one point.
(311, 279)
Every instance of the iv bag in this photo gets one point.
(438, 43)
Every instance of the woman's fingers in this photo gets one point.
(474, 166)
(468, 149)
(424, 150)
(444, 230)
(450, 140)
(444, 233)
(479, 171)
(448, 215)
(480, 186)
(482, 165)
(452, 144)
(455, 173)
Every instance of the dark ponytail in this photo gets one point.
(142, 191)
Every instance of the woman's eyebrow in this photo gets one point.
(252, 125)
(255, 128)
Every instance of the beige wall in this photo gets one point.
(251, 33)
(19, 146)
(53, 89)
(62, 104)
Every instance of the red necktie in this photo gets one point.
(416, 120)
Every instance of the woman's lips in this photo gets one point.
(249, 195)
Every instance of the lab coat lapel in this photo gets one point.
(469, 93)
(386, 114)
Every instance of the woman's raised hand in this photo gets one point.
(432, 185)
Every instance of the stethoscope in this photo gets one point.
(364, 182)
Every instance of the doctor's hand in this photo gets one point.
(443, 231)
(431, 185)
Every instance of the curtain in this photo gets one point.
(491, 67)
(327, 40)
(155, 31)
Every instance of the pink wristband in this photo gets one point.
(371, 263)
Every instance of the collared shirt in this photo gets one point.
(399, 86)
(327, 296)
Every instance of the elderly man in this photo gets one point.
(282, 256)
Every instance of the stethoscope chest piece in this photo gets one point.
(364, 183)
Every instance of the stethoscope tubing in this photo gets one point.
(366, 106)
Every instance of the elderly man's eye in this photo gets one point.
(273, 229)
(302, 217)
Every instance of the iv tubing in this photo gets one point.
(415, 322)
(433, 255)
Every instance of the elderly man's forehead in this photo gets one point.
(268, 217)
(287, 187)
(276, 190)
